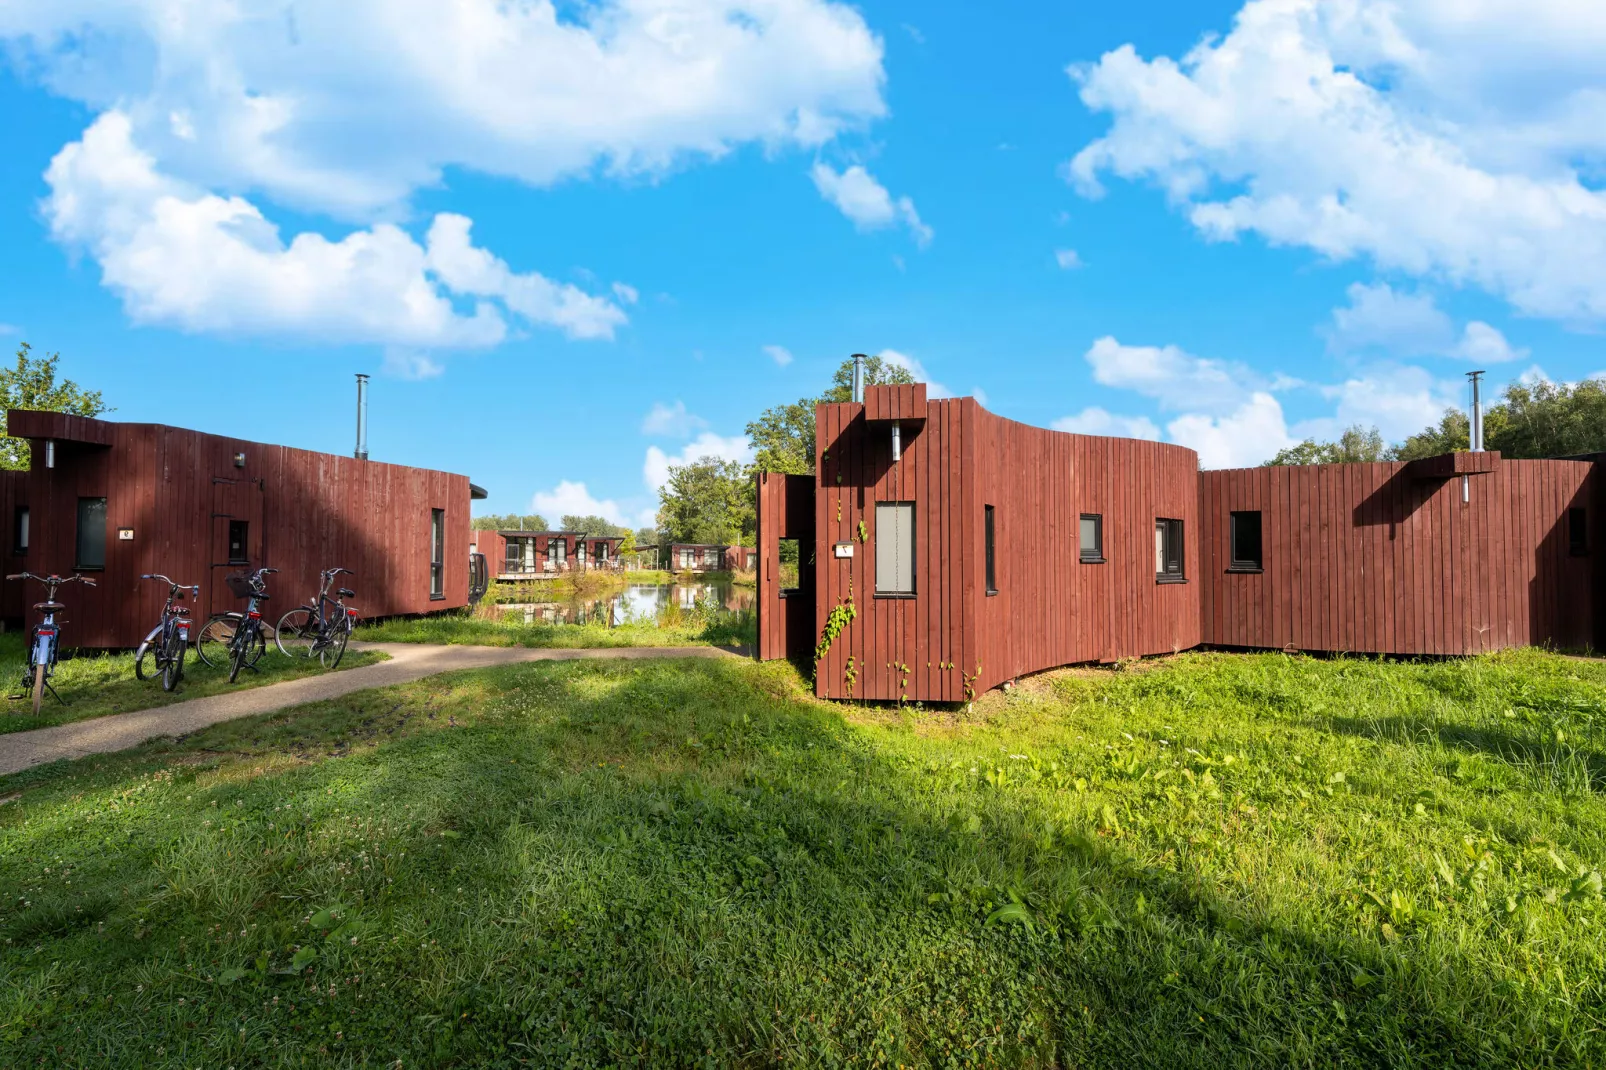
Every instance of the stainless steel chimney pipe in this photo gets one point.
(362, 417)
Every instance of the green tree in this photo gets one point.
(1450, 434)
(32, 385)
(1548, 420)
(783, 437)
(646, 536)
(1357, 443)
(511, 522)
(710, 501)
(593, 525)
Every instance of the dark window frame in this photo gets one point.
(990, 549)
(1171, 565)
(80, 562)
(1237, 561)
(1578, 531)
(437, 555)
(913, 589)
(1095, 556)
(244, 542)
(21, 530)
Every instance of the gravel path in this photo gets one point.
(408, 661)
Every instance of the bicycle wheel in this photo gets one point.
(144, 651)
(297, 633)
(212, 644)
(38, 686)
(247, 648)
(173, 662)
(335, 649)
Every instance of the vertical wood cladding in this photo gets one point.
(1377, 558)
(317, 511)
(1050, 608)
(786, 625)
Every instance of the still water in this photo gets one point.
(638, 602)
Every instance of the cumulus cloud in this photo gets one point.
(671, 420)
(909, 364)
(1094, 420)
(1379, 317)
(779, 354)
(1067, 259)
(1460, 141)
(410, 364)
(857, 195)
(655, 469)
(1248, 435)
(569, 498)
(626, 293)
(209, 113)
(1172, 377)
(1399, 400)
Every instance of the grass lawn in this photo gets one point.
(674, 627)
(96, 684)
(1219, 860)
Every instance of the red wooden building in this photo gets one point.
(115, 500)
(709, 557)
(974, 549)
(521, 555)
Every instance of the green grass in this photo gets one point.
(96, 684)
(1218, 861)
(673, 627)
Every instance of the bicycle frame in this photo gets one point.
(44, 641)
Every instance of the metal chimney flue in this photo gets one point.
(858, 377)
(1475, 417)
(362, 417)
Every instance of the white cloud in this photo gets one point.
(7, 328)
(1067, 259)
(655, 470)
(1444, 139)
(348, 109)
(909, 364)
(1399, 400)
(182, 257)
(626, 293)
(976, 392)
(672, 420)
(1248, 435)
(1381, 318)
(1094, 420)
(410, 364)
(779, 354)
(857, 195)
(1172, 377)
(569, 498)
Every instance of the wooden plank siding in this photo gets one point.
(786, 627)
(308, 511)
(1049, 608)
(1374, 558)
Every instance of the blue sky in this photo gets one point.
(575, 247)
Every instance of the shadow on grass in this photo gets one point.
(662, 864)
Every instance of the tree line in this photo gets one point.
(1531, 420)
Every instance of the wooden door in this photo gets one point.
(237, 535)
(786, 625)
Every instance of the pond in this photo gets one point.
(638, 602)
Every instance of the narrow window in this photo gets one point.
(1092, 538)
(91, 533)
(1577, 532)
(437, 553)
(686, 557)
(239, 542)
(1245, 539)
(580, 552)
(895, 548)
(1168, 551)
(19, 531)
(514, 561)
(557, 551)
(992, 571)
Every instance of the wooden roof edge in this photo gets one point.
(64, 427)
(1459, 463)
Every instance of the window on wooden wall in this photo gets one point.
(514, 557)
(992, 557)
(1091, 538)
(91, 543)
(437, 553)
(895, 549)
(20, 530)
(1244, 542)
(1577, 532)
(556, 551)
(239, 542)
(1168, 551)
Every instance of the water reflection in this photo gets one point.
(638, 602)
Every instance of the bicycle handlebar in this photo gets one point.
(48, 580)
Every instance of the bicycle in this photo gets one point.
(168, 641)
(43, 640)
(309, 631)
(234, 638)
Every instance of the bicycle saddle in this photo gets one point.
(49, 607)
(347, 592)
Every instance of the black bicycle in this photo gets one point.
(167, 642)
(236, 639)
(322, 628)
(44, 640)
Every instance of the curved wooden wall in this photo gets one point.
(1376, 558)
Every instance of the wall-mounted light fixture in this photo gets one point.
(50, 453)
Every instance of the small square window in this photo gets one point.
(1168, 551)
(895, 548)
(1090, 538)
(239, 542)
(1245, 551)
(1577, 532)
